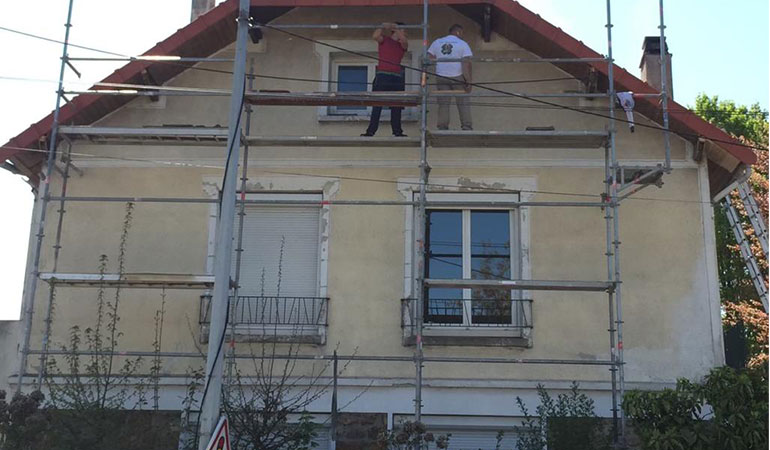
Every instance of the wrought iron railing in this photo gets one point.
(274, 311)
(443, 312)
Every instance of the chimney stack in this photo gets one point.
(200, 7)
(650, 65)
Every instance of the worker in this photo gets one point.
(389, 76)
(453, 75)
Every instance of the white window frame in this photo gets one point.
(514, 239)
(454, 189)
(371, 68)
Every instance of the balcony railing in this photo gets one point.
(289, 312)
(470, 321)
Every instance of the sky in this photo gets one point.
(719, 48)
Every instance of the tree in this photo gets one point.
(743, 314)
(673, 419)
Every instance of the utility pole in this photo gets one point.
(224, 239)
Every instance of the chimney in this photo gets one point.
(650, 65)
(200, 7)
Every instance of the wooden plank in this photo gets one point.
(402, 99)
(333, 141)
(518, 139)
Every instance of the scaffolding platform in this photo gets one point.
(529, 285)
(147, 136)
(206, 136)
(286, 98)
(518, 139)
(130, 280)
(332, 141)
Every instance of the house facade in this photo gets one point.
(328, 250)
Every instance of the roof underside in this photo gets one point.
(215, 30)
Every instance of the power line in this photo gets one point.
(56, 41)
(512, 94)
(366, 179)
(477, 103)
(364, 55)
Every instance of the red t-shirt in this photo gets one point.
(390, 52)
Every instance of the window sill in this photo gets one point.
(334, 118)
(472, 336)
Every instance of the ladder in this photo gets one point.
(750, 205)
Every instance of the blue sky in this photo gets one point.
(720, 48)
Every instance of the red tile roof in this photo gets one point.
(215, 30)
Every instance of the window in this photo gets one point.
(280, 248)
(351, 75)
(279, 295)
(353, 78)
(356, 75)
(471, 244)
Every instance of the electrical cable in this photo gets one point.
(480, 84)
(477, 84)
(365, 179)
(512, 94)
(235, 138)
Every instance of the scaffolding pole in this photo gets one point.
(241, 217)
(52, 284)
(615, 249)
(33, 274)
(663, 89)
(421, 218)
(610, 297)
(438, 204)
(224, 243)
(371, 358)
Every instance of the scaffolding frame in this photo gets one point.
(615, 191)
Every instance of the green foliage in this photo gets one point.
(22, 421)
(728, 410)
(565, 422)
(749, 122)
(413, 435)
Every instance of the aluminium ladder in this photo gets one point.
(752, 211)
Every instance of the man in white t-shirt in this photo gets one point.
(453, 75)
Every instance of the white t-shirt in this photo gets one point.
(449, 47)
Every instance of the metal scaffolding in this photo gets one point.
(616, 189)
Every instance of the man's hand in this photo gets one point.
(468, 87)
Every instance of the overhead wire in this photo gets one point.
(482, 85)
(363, 179)
(506, 93)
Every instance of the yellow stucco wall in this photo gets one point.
(667, 310)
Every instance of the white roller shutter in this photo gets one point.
(264, 230)
(469, 439)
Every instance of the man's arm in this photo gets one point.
(467, 74)
(378, 33)
(400, 36)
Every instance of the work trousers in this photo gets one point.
(463, 103)
(386, 82)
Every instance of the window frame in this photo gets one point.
(329, 56)
(371, 68)
(321, 189)
(514, 239)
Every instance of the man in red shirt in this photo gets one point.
(391, 46)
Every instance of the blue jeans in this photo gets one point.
(386, 82)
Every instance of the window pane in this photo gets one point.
(491, 260)
(445, 233)
(445, 248)
(352, 79)
(490, 233)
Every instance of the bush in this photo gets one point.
(727, 410)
